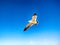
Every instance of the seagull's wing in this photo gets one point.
(34, 17)
(28, 25)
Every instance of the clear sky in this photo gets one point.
(14, 16)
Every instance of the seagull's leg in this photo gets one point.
(36, 23)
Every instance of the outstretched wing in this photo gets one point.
(34, 17)
(28, 25)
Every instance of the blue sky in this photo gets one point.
(14, 16)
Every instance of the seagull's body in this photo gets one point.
(31, 22)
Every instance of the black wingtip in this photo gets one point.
(35, 14)
(25, 29)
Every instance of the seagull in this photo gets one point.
(31, 22)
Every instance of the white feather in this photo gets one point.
(29, 21)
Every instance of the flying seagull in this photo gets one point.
(31, 22)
